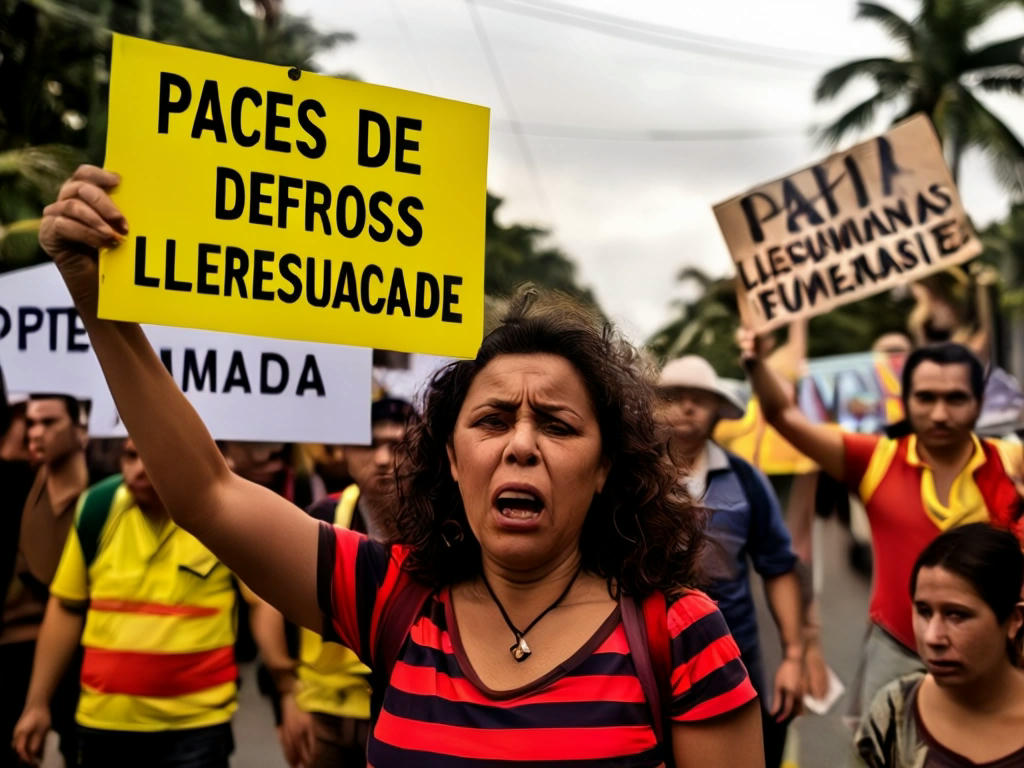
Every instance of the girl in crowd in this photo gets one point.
(968, 708)
(538, 502)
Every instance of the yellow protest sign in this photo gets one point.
(882, 213)
(266, 201)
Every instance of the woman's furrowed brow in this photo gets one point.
(547, 408)
(497, 404)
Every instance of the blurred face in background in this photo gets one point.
(136, 479)
(261, 463)
(372, 467)
(941, 406)
(51, 434)
(689, 412)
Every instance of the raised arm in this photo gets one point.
(819, 442)
(268, 542)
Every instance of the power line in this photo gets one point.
(553, 131)
(661, 35)
(420, 63)
(514, 123)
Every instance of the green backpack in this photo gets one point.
(93, 515)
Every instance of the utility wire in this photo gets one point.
(514, 122)
(662, 35)
(553, 131)
(418, 61)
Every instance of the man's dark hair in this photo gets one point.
(948, 353)
(6, 412)
(392, 409)
(70, 403)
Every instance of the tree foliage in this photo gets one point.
(1004, 249)
(939, 73)
(706, 326)
(516, 254)
(55, 69)
(703, 326)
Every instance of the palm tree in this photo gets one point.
(704, 326)
(939, 73)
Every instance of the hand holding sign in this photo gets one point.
(83, 220)
(751, 346)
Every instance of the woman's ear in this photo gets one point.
(1015, 635)
(602, 472)
(1015, 624)
(450, 449)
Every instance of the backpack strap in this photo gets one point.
(660, 642)
(747, 476)
(93, 514)
(646, 627)
(346, 507)
(397, 615)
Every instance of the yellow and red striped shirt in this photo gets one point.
(160, 629)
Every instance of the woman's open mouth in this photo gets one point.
(518, 503)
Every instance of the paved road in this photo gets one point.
(822, 741)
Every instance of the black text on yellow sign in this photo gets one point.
(308, 208)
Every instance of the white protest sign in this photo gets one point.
(883, 213)
(244, 387)
(43, 344)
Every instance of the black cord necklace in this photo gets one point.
(519, 649)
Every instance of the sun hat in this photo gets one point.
(694, 372)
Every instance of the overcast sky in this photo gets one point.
(628, 139)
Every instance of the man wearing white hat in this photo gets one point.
(745, 520)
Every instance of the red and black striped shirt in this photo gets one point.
(589, 711)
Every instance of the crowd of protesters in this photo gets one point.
(553, 492)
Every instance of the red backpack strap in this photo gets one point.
(402, 605)
(646, 627)
(660, 643)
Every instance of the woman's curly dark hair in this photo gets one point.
(641, 533)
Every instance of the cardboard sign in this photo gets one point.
(883, 213)
(244, 388)
(266, 201)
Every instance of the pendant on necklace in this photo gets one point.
(520, 650)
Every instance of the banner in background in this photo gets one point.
(244, 387)
(858, 392)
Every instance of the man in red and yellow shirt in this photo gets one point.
(155, 613)
(937, 474)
